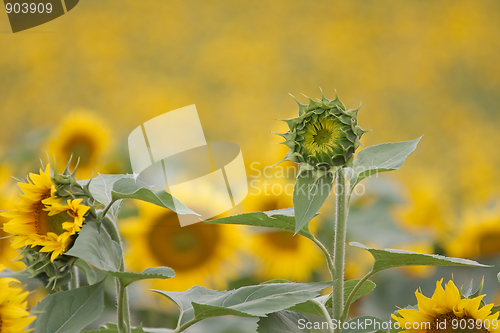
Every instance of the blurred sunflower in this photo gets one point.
(7, 254)
(200, 254)
(83, 135)
(40, 219)
(13, 315)
(480, 230)
(280, 254)
(427, 209)
(447, 306)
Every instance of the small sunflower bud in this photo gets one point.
(324, 136)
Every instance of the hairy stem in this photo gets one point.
(353, 293)
(121, 291)
(186, 325)
(342, 201)
(123, 308)
(327, 254)
(326, 314)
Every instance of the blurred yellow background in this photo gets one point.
(419, 67)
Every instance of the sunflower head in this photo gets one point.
(324, 136)
(45, 222)
(448, 310)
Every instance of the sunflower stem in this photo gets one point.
(105, 211)
(123, 308)
(327, 255)
(353, 293)
(342, 202)
(121, 291)
(325, 313)
(186, 325)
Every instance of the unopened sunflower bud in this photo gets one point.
(324, 136)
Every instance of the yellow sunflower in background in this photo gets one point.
(480, 230)
(200, 254)
(427, 209)
(7, 189)
(358, 263)
(13, 315)
(40, 219)
(84, 135)
(445, 311)
(280, 254)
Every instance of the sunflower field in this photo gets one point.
(373, 200)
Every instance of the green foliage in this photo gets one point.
(95, 246)
(282, 219)
(390, 258)
(282, 321)
(381, 158)
(309, 195)
(199, 303)
(69, 311)
(127, 278)
(129, 188)
(314, 308)
(113, 188)
(88, 270)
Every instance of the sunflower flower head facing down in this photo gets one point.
(324, 136)
(14, 317)
(47, 219)
(448, 311)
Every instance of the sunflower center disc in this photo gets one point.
(322, 137)
(182, 248)
(46, 223)
(80, 148)
(283, 240)
(489, 244)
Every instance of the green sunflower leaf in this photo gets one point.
(313, 308)
(129, 188)
(69, 311)
(101, 186)
(309, 195)
(282, 219)
(88, 270)
(127, 278)
(381, 158)
(390, 258)
(95, 246)
(199, 303)
(283, 321)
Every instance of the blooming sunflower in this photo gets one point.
(480, 230)
(41, 218)
(13, 315)
(280, 254)
(445, 311)
(83, 135)
(200, 254)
